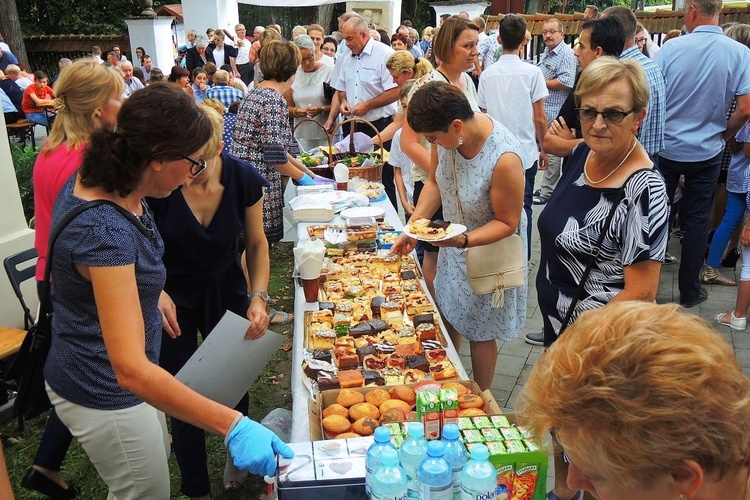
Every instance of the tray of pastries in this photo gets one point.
(375, 326)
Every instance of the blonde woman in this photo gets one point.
(317, 34)
(89, 96)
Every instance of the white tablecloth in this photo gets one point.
(300, 393)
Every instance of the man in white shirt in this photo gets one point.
(365, 87)
(513, 92)
(13, 72)
(243, 44)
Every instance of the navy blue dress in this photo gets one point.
(570, 225)
(204, 279)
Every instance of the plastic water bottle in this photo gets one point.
(389, 480)
(435, 474)
(372, 460)
(456, 455)
(411, 454)
(479, 477)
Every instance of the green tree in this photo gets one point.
(94, 17)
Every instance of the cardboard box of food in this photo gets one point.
(331, 469)
(327, 398)
(521, 475)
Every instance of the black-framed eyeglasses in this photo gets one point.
(196, 166)
(641, 40)
(611, 116)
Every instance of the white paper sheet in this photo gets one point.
(226, 365)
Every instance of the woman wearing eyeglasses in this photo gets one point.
(101, 371)
(306, 98)
(609, 167)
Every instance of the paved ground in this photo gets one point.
(516, 358)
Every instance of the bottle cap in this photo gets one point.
(416, 430)
(479, 452)
(382, 434)
(389, 457)
(435, 449)
(450, 432)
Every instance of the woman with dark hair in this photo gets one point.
(101, 371)
(262, 134)
(200, 84)
(398, 42)
(179, 76)
(329, 47)
(140, 53)
(475, 163)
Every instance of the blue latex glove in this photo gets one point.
(254, 447)
(319, 179)
(306, 180)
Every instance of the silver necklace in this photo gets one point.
(127, 203)
(586, 164)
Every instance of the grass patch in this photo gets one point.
(272, 390)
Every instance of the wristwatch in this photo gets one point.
(262, 294)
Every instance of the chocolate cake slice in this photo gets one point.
(418, 362)
(328, 380)
(373, 378)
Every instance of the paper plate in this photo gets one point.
(454, 230)
(362, 212)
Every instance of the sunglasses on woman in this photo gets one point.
(611, 116)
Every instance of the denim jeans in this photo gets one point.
(732, 218)
(38, 118)
(528, 195)
(698, 197)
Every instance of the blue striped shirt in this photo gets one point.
(559, 63)
(651, 134)
(704, 71)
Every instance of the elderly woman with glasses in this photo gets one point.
(306, 98)
(645, 401)
(200, 225)
(101, 371)
(609, 172)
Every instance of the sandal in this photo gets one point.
(734, 322)
(286, 318)
(711, 276)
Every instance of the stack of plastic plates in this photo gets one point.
(313, 214)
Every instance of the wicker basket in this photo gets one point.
(370, 173)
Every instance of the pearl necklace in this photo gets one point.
(586, 164)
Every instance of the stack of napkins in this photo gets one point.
(313, 213)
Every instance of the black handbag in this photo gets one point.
(27, 369)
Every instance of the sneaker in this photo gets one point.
(734, 322)
(536, 338)
(711, 276)
(537, 192)
(669, 259)
(702, 297)
(540, 200)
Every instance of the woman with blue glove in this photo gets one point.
(101, 371)
(263, 137)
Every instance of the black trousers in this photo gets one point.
(246, 72)
(200, 306)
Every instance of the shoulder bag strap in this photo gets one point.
(45, 305)
(455, 187)
(594, 254)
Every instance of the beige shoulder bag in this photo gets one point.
(496, 267)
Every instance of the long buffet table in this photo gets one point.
(300, 392)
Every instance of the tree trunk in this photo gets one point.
(409, 9)
(10, 27)
(325, 13)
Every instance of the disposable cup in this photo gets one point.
(311, 288)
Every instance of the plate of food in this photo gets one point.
(362, 212)
(436, 230)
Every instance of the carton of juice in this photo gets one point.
(428, 412)
(449, 406)
(524, 481)
(504, 481)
